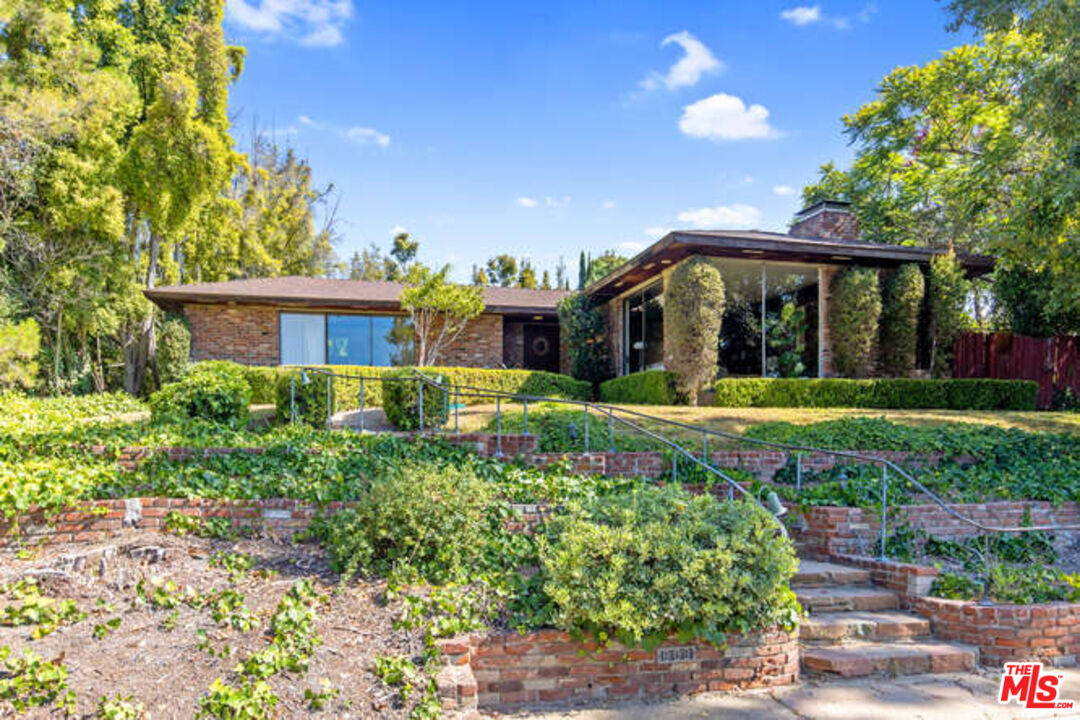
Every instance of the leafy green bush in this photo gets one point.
(19, 345)
(651, 387)
(583, 332)
(302, 395)
(901, 304)
(693, 309)
(404, 400)
(217, 394)
(854, 312)
(414, 520)
(639, 566)
(173, 350)
(262, 379)
(884, 393)
(947, 294)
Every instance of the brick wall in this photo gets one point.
(247, 334)
(1049, 632)
(843, 530)
(514, 344)
(511, 671)
(480, 345)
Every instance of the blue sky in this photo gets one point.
(545, 129)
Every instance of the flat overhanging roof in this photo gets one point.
(758, 245)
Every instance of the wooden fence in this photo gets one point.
(1054, 362)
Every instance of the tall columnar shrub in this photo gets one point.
(854, 314)
(949, 290)
(583, 333)
(173, 350)
(19, 345)
(901, 303)
(693, 310)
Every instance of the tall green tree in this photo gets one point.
(693, 311)
(440, 310)
(527, 276)
(502, 270)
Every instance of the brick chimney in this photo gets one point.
(826, 220)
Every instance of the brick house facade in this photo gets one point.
(241, 320)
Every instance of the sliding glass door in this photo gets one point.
(372, 340)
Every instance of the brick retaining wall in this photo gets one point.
(512, 671)
(844, 530)
(1049, 632)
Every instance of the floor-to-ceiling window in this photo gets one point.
(770, 326)
(644, 329)
(317, 338)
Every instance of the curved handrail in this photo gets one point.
(613, 409)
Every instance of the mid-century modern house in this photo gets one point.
(294, 320)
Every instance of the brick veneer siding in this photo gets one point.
(512, 671)
(250, 335)
(828, 531)
(1049, 632)
(247, 334)
(480, 345)
(514, 344)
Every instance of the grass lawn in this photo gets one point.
(736, 420)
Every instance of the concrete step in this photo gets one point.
(840, 598)
(813, 573)
(907, 658)
(837, 627)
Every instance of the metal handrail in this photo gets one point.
(612, 410)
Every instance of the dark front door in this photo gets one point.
(542, 347)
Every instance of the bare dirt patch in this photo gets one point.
(156, 657)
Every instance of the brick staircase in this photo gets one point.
(855, 628)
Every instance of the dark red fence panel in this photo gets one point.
(1054, 363)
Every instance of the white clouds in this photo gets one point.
(632, 245)
(608, 204)
(366, 135)
(784, 190)
(305, 120)
(697, 60)
(657, 232)
(802, 15)
(557, 202)
(726, 117)
(398, 230)
(724, 216)
(526, 202)
(316, 23)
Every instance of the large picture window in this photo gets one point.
(374, 340)
(770, 325)
(645, 329)
(303, 339)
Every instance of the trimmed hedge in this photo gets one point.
(310, 397)
(651, 387)
(345, 392)
(401, 401)
(262, 379)
(883, 393)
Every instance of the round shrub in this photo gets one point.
(854, 312)
(639, 566)
(401, 402)
(218, 394)
(422, 520)
(308, 399)
(693, 310)
(901, 304)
